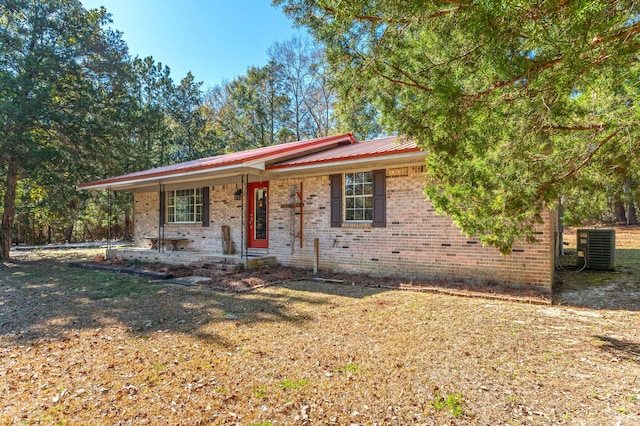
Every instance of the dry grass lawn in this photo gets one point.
(87, 347)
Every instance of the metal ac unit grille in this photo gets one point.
(597, 248)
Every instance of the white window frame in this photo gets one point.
(193, 198)
(360, 190)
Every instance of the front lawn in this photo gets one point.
(85, 347)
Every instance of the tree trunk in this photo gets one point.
(631, 214)
(20, 236)
(127, 224)
(86, 232)
(9, 212)
(619, 210)
(68, 233)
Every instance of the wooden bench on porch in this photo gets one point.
(174, 241)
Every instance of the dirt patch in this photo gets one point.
(618, 289)
(168, 271)
(242, 281)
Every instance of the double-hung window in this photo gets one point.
(358, 196)
(184, 206)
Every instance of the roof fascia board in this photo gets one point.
(392, 159)
(319, 168)
(353, 157)
(252, 164)
(175, 178)
(397, 160)
(275, 159)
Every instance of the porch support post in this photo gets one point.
(161, 213)
(246, 190)
(244, 194)
(109, 218)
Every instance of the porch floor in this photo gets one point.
(187, 257)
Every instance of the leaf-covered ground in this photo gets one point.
(88, 347)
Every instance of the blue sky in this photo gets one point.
(214, 39)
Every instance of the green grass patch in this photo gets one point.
(159, 366)
(451, 402)
(260, 392)
(113, 287)
(95, 285)
(349, 368)
(288, 384)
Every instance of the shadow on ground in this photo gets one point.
(624, 350)
(48, 299)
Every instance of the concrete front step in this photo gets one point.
(191, 258)
(216, 270)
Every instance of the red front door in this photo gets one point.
(258, 216)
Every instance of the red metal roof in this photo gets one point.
(372, 148)
(285, 150)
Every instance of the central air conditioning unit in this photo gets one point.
(596, 248)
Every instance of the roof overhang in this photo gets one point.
(153, 181)
(253, 161)
(412, 158)
(329, 155)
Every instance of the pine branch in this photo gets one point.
(591, 153)
(625, 34)
(405, 83)
(541, 67)
(413, 82)
(378, 20)
(576, 128)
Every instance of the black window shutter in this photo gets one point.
(163, 200)
(336, 200)
(205, 206)
(379, 198)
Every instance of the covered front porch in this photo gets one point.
(229, 227)
(231, 209)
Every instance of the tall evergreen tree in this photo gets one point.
(62, 77)
(187, 122)
(149, 128)
(516, 103)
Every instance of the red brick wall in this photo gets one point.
(416, 243)
(223, 210)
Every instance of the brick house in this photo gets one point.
(359, 205)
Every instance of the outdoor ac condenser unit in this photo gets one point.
(596, 248)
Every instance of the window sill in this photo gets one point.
(357, 225)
